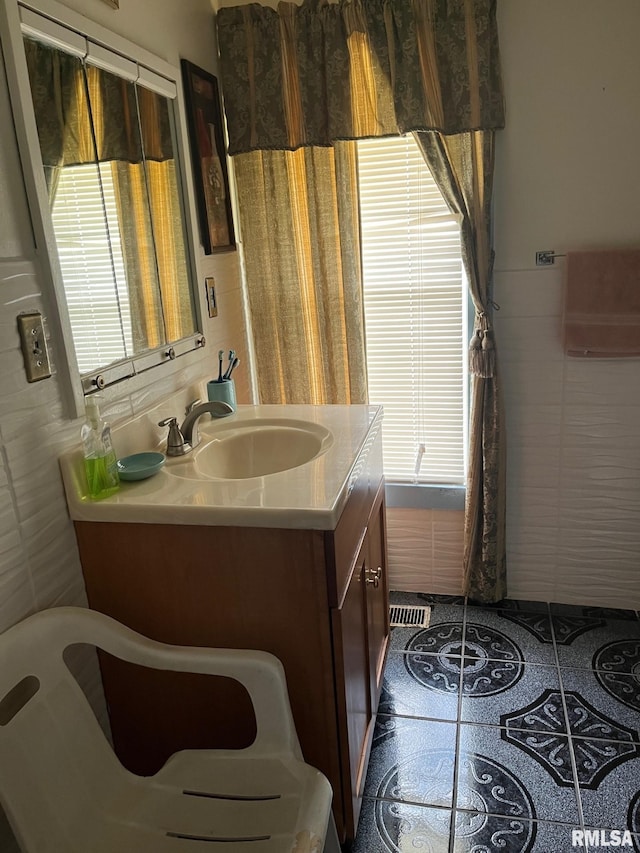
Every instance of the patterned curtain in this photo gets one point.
(312, 74)
(309, 77)
(462, 166)
(62, 99)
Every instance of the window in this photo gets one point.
(85, 220)
(415, 313)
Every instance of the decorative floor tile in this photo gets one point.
(532, 737)
(394, 827)
(624, 688)
(606, 613)
(421, 686)
(545, 714)
(526, 779)
(569, 628)
(596, 759)
(442, 637)
(584, 642)
(520, 695)
(602, 704)
(612, 798)
(619, 656)
(412, 760)
(513, 604)
(509, 635)
(476, 832)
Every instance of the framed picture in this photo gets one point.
(206, 140)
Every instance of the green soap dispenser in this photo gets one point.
(99, 456)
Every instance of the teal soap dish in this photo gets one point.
(139, 466)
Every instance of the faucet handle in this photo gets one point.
(191, 406)
(176, 445)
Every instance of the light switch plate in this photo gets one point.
(545, 259)
(212, 305)
(34, 346)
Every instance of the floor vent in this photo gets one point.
(409, 616)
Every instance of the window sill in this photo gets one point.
(424, 496)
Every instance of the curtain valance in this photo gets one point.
(312, 74)
(67, 103)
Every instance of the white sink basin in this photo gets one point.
(240, 451)
(264, 466)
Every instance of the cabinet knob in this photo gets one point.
(373, 576)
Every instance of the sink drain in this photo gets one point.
(409, 616)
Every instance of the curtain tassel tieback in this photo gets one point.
(482, 354)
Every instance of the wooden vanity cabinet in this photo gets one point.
(316, 599)
(360, 628)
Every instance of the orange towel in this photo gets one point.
(602, 304)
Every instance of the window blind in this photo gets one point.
(414, 298)
(92, 266)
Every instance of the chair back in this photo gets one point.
(55, 761)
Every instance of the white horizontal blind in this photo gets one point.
(414, 295)
(92, 265)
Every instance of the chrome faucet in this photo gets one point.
(189, 428)
(183, 439)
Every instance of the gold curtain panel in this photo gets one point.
(302, 257)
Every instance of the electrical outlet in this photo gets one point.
(34, 347)
(212, 305)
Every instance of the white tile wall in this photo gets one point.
(425, 550)
(573, 523)
(573, 435)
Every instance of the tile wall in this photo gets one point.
(425, 550)
(573, 454)
(567, 173)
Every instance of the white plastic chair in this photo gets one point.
(64, 790)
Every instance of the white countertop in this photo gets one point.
(310, 496)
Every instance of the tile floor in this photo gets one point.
(505, 728)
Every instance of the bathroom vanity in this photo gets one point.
(292, 562)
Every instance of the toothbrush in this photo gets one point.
(232, 355)
(231, 368)
(220, 357)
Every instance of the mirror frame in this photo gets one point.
(74, 386)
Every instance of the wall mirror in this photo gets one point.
(115, 209)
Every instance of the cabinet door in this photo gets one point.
(377, 599)
(354, 697)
